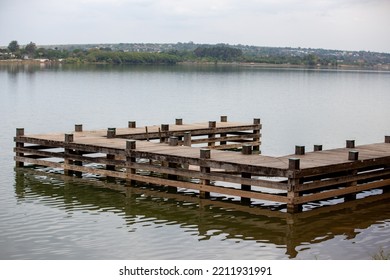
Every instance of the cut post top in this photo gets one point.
(350, 144)
(78, 127)
(205, 153)
(19, 131)
(130, 144)
(294, 163)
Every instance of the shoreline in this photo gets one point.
(383, 68)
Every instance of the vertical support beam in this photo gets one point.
(173, 141)
(19, 132)
(130, 159)
(212, 125)
(223, 119)
(256, 147)
(353, 156)
(317, 148)
(78, 163)
(111, 132)
(78, 127)
(204, 154)
(164, 133)
(187, 139)
(246, 150)
(132, 124)
(179, 122)
(67, 152)
(293, 184)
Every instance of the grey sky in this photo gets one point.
(330, 24)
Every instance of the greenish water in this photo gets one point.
(49, 216)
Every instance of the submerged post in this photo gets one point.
(173, 141)
(256, 138)
(205, 154)
(246, 150)
(211, 136)
(130, 159)
(19, 132)
(293, 185)
(223, 142)
(67, 153)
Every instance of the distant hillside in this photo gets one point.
(254, 53)
(152, 53)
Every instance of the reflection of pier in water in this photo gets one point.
(209, 217)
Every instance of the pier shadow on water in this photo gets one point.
(207, 218)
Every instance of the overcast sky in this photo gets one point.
(328, 24)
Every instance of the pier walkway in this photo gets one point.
(200, 157)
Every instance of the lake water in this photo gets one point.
(57, 217)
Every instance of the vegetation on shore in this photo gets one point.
(190, 52)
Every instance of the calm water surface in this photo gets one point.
(49, 216)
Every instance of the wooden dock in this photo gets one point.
(199, 157)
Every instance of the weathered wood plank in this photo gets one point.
(340, 192)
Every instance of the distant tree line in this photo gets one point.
(173, 53)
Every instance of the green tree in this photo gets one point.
(13, 46)
(30, 49)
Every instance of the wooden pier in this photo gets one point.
(200, 157)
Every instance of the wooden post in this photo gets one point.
(387, 139)
(317, 148)
(173, 141)
(19, 132)
(111, 132)
(187, 139)
(353, 156)
(212, 125)
(164, 133)
(223, 119)
(130, 159)
(293, 184)
(147, 133)
(299, 150)
(179, 121)
(256, 147)
(350, 144)
(78, 127)
(246, 150)
(205, 154)
(67, 152)
(132, 124)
